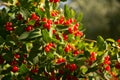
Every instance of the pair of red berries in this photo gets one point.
(68, 48)
(60, 60)
(72, 67)
(93, 56)
(55, 1)
(48, 47)
(8, 26)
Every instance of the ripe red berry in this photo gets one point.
(78, 33)
(44, 19)
(60, 60)
(118, 40)
(17, 56)
(73, 67)
(29, 28)
(47, 26)
(65, 37)
(75, 28)
(67, 48)
(107, 68)
(107, 57)
(13, 63)
(47, 49)
(19, 17)
(55, 1)
(8, 24)
(51, 0)
(70, 29)
(34, 17)
(15, 69)
(9, 28)
(117, 65)
(76, 53)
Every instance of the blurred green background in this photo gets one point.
(100, 17)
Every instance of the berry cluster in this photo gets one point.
(48, 47)
(8, 26)
(107, 62)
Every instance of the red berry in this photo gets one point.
(47, 26)
(107, 57)
(65, 37)
(51, 0)
(67, 48)
(107, 68)
(79, 33)
(15, 69)
(73, 67)
(70, 29)
(49, 21)
(34, 17)
(19, 17)
(17, 56)
(117, 65)
(54, 31)
(67, 22)
(56, 22)
(92, 58)
(107, 62)
(60, 60)
(9, 28)
(29, 28)
(76, 53)
(118, 40)
(13, 63)
(75, 28)
(44, 19)
(55, 1)
(47, 49)
(8, 24)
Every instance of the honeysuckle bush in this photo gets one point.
(41, 41)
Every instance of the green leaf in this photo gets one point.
(36, 59)
(83, 69)
(39, 12)
(23, 69)
(46, 36)
(67, 11)
(24, 35)
(1, 40)
(72, 12)
(79, 17)
(31, 22)
(110, 40)
(34, 34)
(29, 46)
(101, 43)
(118, 57)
